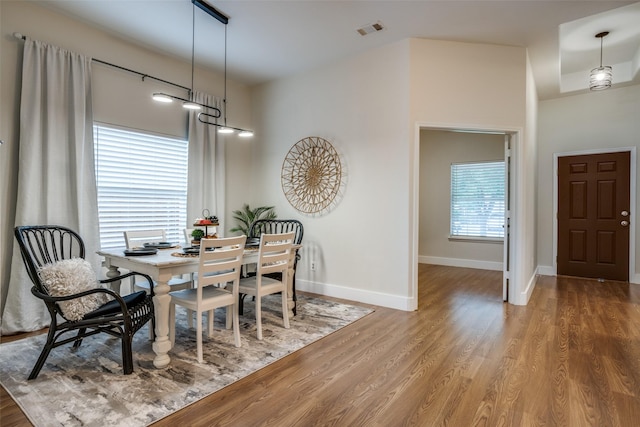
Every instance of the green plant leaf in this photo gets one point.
(246, 216)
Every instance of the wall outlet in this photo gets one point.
(313, 266)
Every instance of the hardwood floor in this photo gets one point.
(569, 358)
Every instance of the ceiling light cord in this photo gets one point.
(193, 47)
(601, 44)
(224, 101)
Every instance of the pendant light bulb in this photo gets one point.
(225, 130)
(161, 97)
(191, 106)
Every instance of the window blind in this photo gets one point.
(142, 184)
(477, 199)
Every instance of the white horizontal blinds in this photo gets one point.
(477, 199)
(142, 184)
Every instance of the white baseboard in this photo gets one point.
(547, 270)
(459, 262)
(368, 297)
(525, 296)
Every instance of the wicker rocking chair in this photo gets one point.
(121, 317)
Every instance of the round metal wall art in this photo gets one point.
(312, 176)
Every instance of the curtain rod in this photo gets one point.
(143, 75)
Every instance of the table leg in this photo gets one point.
(111, 273)
(161, 302)
(291, 303)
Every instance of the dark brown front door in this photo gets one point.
(593, 215)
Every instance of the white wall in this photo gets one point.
(438, 150)
(119, 98)
(474, 86)
(360, 106)
(598, 120)
(368, 107)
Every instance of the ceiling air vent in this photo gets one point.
(370, 28)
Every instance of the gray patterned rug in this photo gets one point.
(87, 388)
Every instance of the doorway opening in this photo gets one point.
(500, 145)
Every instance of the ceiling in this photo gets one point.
(268, 39)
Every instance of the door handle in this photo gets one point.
(624, 223)
(624, 213)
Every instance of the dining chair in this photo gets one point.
(218, 284)
(187, 236)
(274, 226)
(274, 256)
(76, 300)
(137, 238)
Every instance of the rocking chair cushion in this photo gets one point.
(113, 307)
(71, 276)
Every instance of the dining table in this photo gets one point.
(161, 267)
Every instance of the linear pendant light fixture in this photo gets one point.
(209, 112)
(188, 104)
(600, 77)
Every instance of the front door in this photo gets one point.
(593, 216)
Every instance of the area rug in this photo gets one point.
(87, 388)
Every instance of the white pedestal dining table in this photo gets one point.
(162, 266)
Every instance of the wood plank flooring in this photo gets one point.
(571, 357)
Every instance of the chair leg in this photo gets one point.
(236, 323)
(210, 318)
(241, 303)
(285, 310)
(189, 318)
(172, 324)
(48, 346)
(230, 315)
(127, 354)
(78, 341)
(153, 327)
(259, 317)
(295, 297)
(199, 335)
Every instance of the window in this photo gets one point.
(477, 200)
(142, 183)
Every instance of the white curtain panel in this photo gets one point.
(56, 179)
(206, 176)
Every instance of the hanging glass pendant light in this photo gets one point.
(601, 76)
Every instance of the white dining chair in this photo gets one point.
(137, 238)
(218, 282)
(274, 256)
(187, 236)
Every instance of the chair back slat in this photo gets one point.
(46, 244)
(275, 253)
(278, 226)
(137, 238)
(223, 263)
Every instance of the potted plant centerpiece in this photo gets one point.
(197, 234)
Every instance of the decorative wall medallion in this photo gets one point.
(312, 176)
